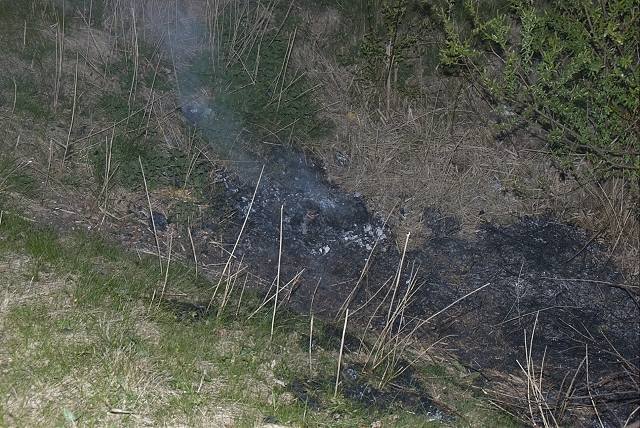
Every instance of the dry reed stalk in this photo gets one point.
(310, 343)
(381, 344)
(290, 287)
(569, 393)
(389, 345)
(269, 297)
(153, 296)
(107, 169)
(15, 95)
(238, 41)
(407, 336)
(49, 162)
(73, 116)
(121, 121)
(211, 19)
(381, 304)
(166, 271)
(423, 322)
(193, 249)
(59, 58)
(192, 164)
(635, 424)
(344, 331)
(232, 254)
(24, 37)
(229, 286)
(398, 276)
(363, 272)
(283, 70)
(134, 79)
(149, 106)
(8, 173)
(275, 300)
(153, 221)
(244, 284)
(93, 39)
(615, 200)
(535, 396)
(593, 403)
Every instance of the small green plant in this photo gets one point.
(13, 177)
(187, 180)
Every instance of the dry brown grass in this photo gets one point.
(443, 152)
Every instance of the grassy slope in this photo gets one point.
(83, 344)
(85, 340)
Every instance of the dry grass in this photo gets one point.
(442, 151)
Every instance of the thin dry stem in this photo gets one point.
(275, 300)
(15, 95)
(235, 246)
(344, 332)
(73, 116)
(230, 283)
(310, 346)
(49, 162)
(593, 403)
(153, 221)
(193, 249)
(166, 271)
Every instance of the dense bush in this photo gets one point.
(570, 66)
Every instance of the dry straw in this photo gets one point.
(235, 246)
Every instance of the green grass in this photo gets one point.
(83, 338)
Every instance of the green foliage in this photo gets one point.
(158, 81)
(570, 66)
(175, 170)
(254, 81)
(29, 99)
(14, 13)
(397, 45)
(13, 178)
(42, 245)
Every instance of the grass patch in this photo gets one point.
(86, 343)
(251, 75)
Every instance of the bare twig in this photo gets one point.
(310, 347)
(593, 403)
(193, 249)
(73, 116)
